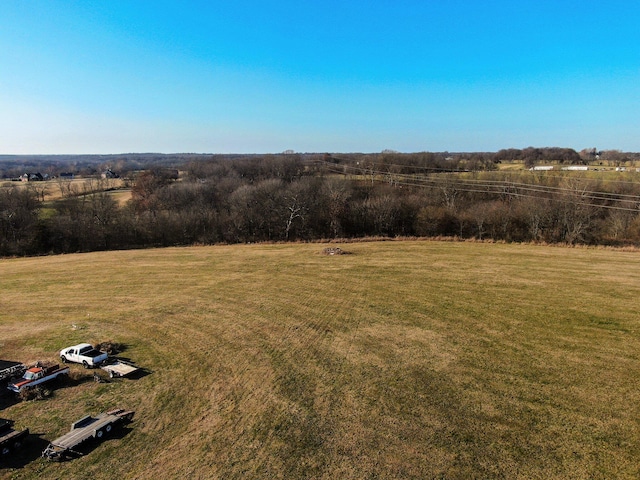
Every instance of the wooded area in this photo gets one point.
(198, 199)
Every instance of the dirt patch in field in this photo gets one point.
(335, 251)
(112, 348)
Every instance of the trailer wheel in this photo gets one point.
(111, 374)
(85, 364)
(108, 428)
(17, 445)
(99, 434)
(5, 450)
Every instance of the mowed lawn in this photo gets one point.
(403, 359)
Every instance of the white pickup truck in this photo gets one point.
(85, 354)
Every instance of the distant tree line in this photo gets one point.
(260, 198)
(12, 166)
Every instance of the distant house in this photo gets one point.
(576, 168)
(67, 176)
(541, 168)
(31, 177)
(109, 174)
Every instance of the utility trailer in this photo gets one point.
(119, 368)
(85, 429)
(10, 440)
(11, 369)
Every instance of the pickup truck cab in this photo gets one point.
(37, 375)
(85, 354)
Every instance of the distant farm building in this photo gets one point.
(109, 174)
(539, 168)
(576, 168)
(31, 177)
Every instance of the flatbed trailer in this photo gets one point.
(119, 368)
(85, 429)
(10, 439)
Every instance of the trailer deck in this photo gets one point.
(119, 368)
(85, 429)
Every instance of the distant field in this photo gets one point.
(53, 189)
(404, 359)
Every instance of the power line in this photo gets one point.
(577, 196)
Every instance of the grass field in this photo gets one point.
(404, 359)
(51, 190)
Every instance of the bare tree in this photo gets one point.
(336, 193)
(65, 184)
(450, 191)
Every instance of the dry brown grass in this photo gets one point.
(53, 189)
(402, 360)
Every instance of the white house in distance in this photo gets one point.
(576, 168)
(573, 168)
(541, 168)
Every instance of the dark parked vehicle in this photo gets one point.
(11, 440)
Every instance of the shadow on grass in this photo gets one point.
(140, 373)
(7, 398)
(30, 450)
(74, 379)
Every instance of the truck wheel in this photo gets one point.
(5, 450)
(85, 364)
(63, 358)
(108, 428)
(17, 445)
(99, 434)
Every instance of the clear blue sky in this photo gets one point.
(113, 76)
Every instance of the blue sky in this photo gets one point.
(333, 76)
